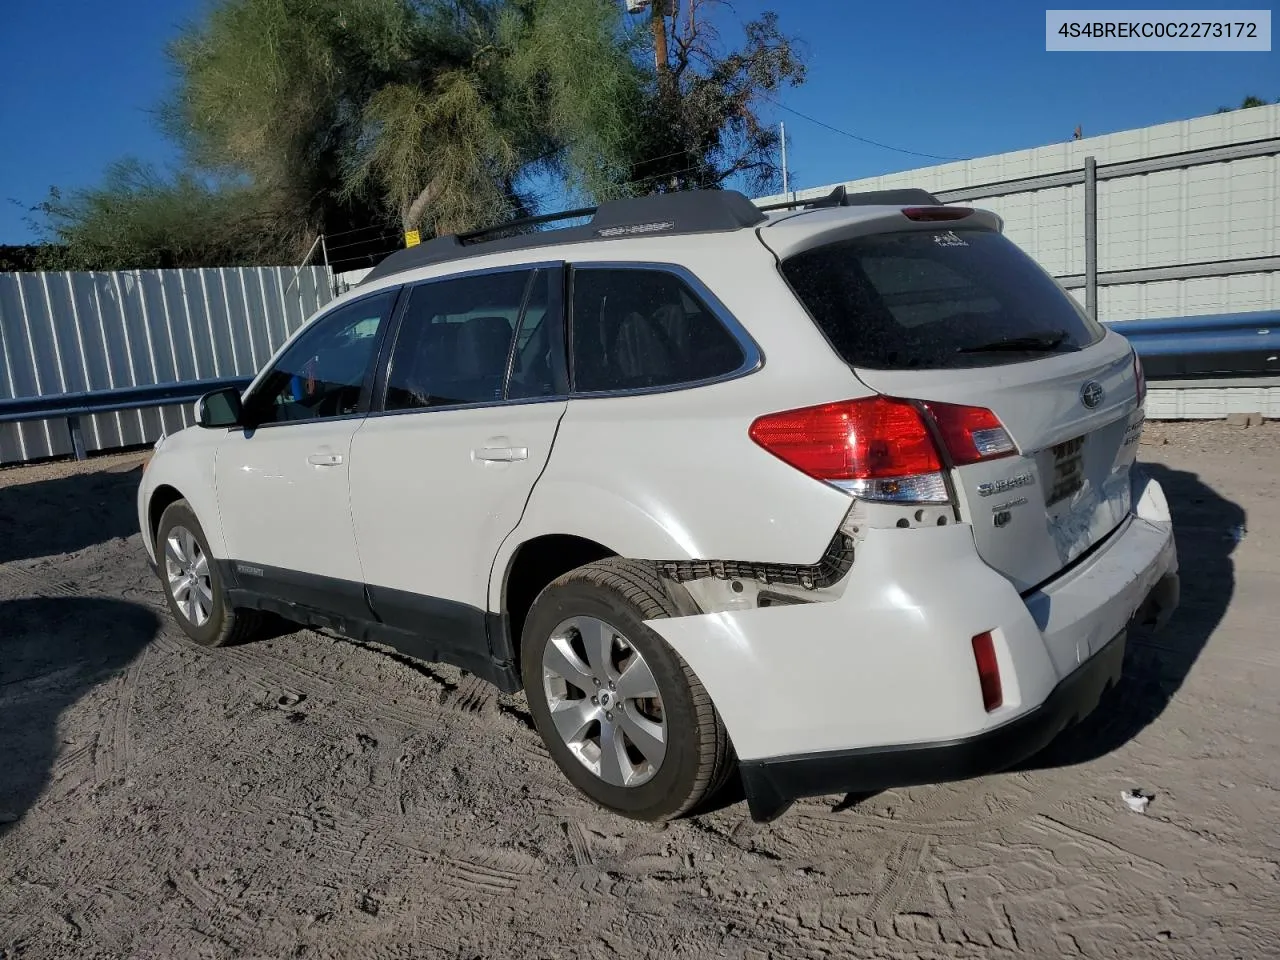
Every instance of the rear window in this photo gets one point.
(931, 299)
(636, 329)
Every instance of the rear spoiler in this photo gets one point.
(841, 197)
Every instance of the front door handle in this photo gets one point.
(325, 459)
(501, 454)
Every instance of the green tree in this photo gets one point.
(702, 125)
(298, 117)
(343, 111)
(137, 218)
(1245, 104)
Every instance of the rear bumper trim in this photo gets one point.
(772, 784)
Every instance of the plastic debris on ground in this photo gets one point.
(1136, 800)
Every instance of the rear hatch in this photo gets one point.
(948, 313)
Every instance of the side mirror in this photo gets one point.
(220, 409)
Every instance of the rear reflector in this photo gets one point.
(984, 655)
(925, 214)
(883, 448)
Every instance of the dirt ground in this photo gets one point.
(308, 797)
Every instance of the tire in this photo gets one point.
(222, 625)
(696, 757)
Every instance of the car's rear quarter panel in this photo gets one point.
(674, 475)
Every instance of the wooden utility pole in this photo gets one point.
(658, 22)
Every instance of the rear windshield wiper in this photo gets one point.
(1046, 342)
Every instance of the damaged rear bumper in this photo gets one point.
(771, 785)
(879, 688)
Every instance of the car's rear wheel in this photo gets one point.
(193, 585)
(621, 713)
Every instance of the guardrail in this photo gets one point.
(73, 406)
(1218, 345)
(1231, 347)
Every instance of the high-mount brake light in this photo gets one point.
(926, 214)
(883, 448)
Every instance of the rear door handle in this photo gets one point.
(501, 454)
(325, 459)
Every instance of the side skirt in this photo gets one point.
(425, 628)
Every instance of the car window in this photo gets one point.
(322, 373)
(637, 329)
(532, 366)
(932, 299)
(455, 341)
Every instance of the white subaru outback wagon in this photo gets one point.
(840, 496)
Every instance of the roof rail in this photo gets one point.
(681, 212)
(841, 197)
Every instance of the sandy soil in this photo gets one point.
(308, 797)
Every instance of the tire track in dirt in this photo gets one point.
(907, 863)
(493, 873)
(474, 695)
(114, 750)
(1014, 810)
(73, 767)
(31, 584)
(186, 884)
(356, 698)
(578, 845)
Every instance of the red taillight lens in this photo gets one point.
(935, 213)
(882, 448)
(971, 433)
(984, 655)
(852, 440)
(1141, 378)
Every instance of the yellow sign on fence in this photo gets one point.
(412, 238)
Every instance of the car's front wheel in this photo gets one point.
(622, 714)
(193, 585)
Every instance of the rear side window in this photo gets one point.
(638, 329)
(455, 340)
(935, 299)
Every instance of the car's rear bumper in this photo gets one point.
(840, 695)
(772, 784)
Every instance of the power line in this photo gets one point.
(854, 136)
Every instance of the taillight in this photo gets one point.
(984, 657)
(926, 214)
(971, 434)
(882, 448)
(1141, 377)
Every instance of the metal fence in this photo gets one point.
(73, 333)
(1174, 220)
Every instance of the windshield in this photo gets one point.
(926, 299)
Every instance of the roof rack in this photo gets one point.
(682, 212)
(841, 197)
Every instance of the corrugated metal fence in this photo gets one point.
(1186, 222)
(73, 332)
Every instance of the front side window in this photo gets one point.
(636, 329)
(322, 373)
(455, 340)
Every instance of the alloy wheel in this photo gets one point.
(604, 701)
(187, 573)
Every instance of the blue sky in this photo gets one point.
(79, 81)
